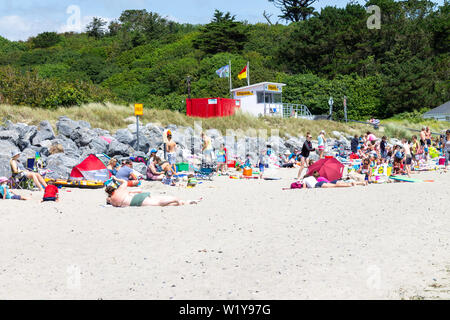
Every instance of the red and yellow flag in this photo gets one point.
(243, 73)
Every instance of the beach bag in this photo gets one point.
(296, 185)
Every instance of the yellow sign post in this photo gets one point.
(138, 111)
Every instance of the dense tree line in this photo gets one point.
(142, 57)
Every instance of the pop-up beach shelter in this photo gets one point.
(92, 168)
(330, 169)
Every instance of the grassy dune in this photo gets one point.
(112, 117)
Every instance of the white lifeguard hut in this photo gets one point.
(266, 99)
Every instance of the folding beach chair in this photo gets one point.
(206, 171)
(22, 183)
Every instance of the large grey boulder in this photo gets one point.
(144, 143)
(10, 135)
(101, 132)
(133, 128)
(293, 143)
(70, 147)
(84, 124)
(117, 148)
(182, 140)
(5, 170)
(45, 133)
(213, 133)
(83, 136)
(124, 136)
(154, 135)
(98, 145)
(277, 144)
(140, 167)
(67, 126)
(27, 133)
(217, 142)
(61, 165)
(7, 148)
(172, 127)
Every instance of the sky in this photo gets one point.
(21, 19)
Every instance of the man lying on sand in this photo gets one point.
(120, 196)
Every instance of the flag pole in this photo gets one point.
(229, 76)
(248, 73)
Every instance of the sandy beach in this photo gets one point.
(248, 239)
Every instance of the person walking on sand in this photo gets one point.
(120, 196)
(171, 148)
(407, 156)
(262, 162)
(423, 137)
(321, 143)
(207, 148)
(306, 150)
(428, 136)
(447, 149)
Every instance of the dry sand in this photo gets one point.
(246, 240)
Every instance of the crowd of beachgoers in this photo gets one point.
(367, 153)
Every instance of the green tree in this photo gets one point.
(295, 10)
(222, 34)
(45, 40)
(96, 28)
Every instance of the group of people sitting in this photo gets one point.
(402, 156)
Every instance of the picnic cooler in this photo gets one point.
(231, 163)
(247, 172)
(182, 166)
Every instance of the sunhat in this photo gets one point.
(3, 179)
(153, 151)
(14, 153)
(287, 152)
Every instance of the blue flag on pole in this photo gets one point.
(224, 72)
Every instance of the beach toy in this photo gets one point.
(182, 166)
(405, 179)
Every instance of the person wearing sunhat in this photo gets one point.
(18, 171)
(6, 193)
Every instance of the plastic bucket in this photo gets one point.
(247, 172)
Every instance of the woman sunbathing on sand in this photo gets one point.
(121, 197)
(315, 181)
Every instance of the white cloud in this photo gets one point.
(14, 27)
(81, 24)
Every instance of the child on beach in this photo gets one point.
(221, 160)
(6, 193)
(366, 170)
(168, 179)
(192, 180)
(262, 161)
(51, 193)
(248, 162)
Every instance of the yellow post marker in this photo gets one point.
(138, 111)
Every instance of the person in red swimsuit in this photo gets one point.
(51, 193)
